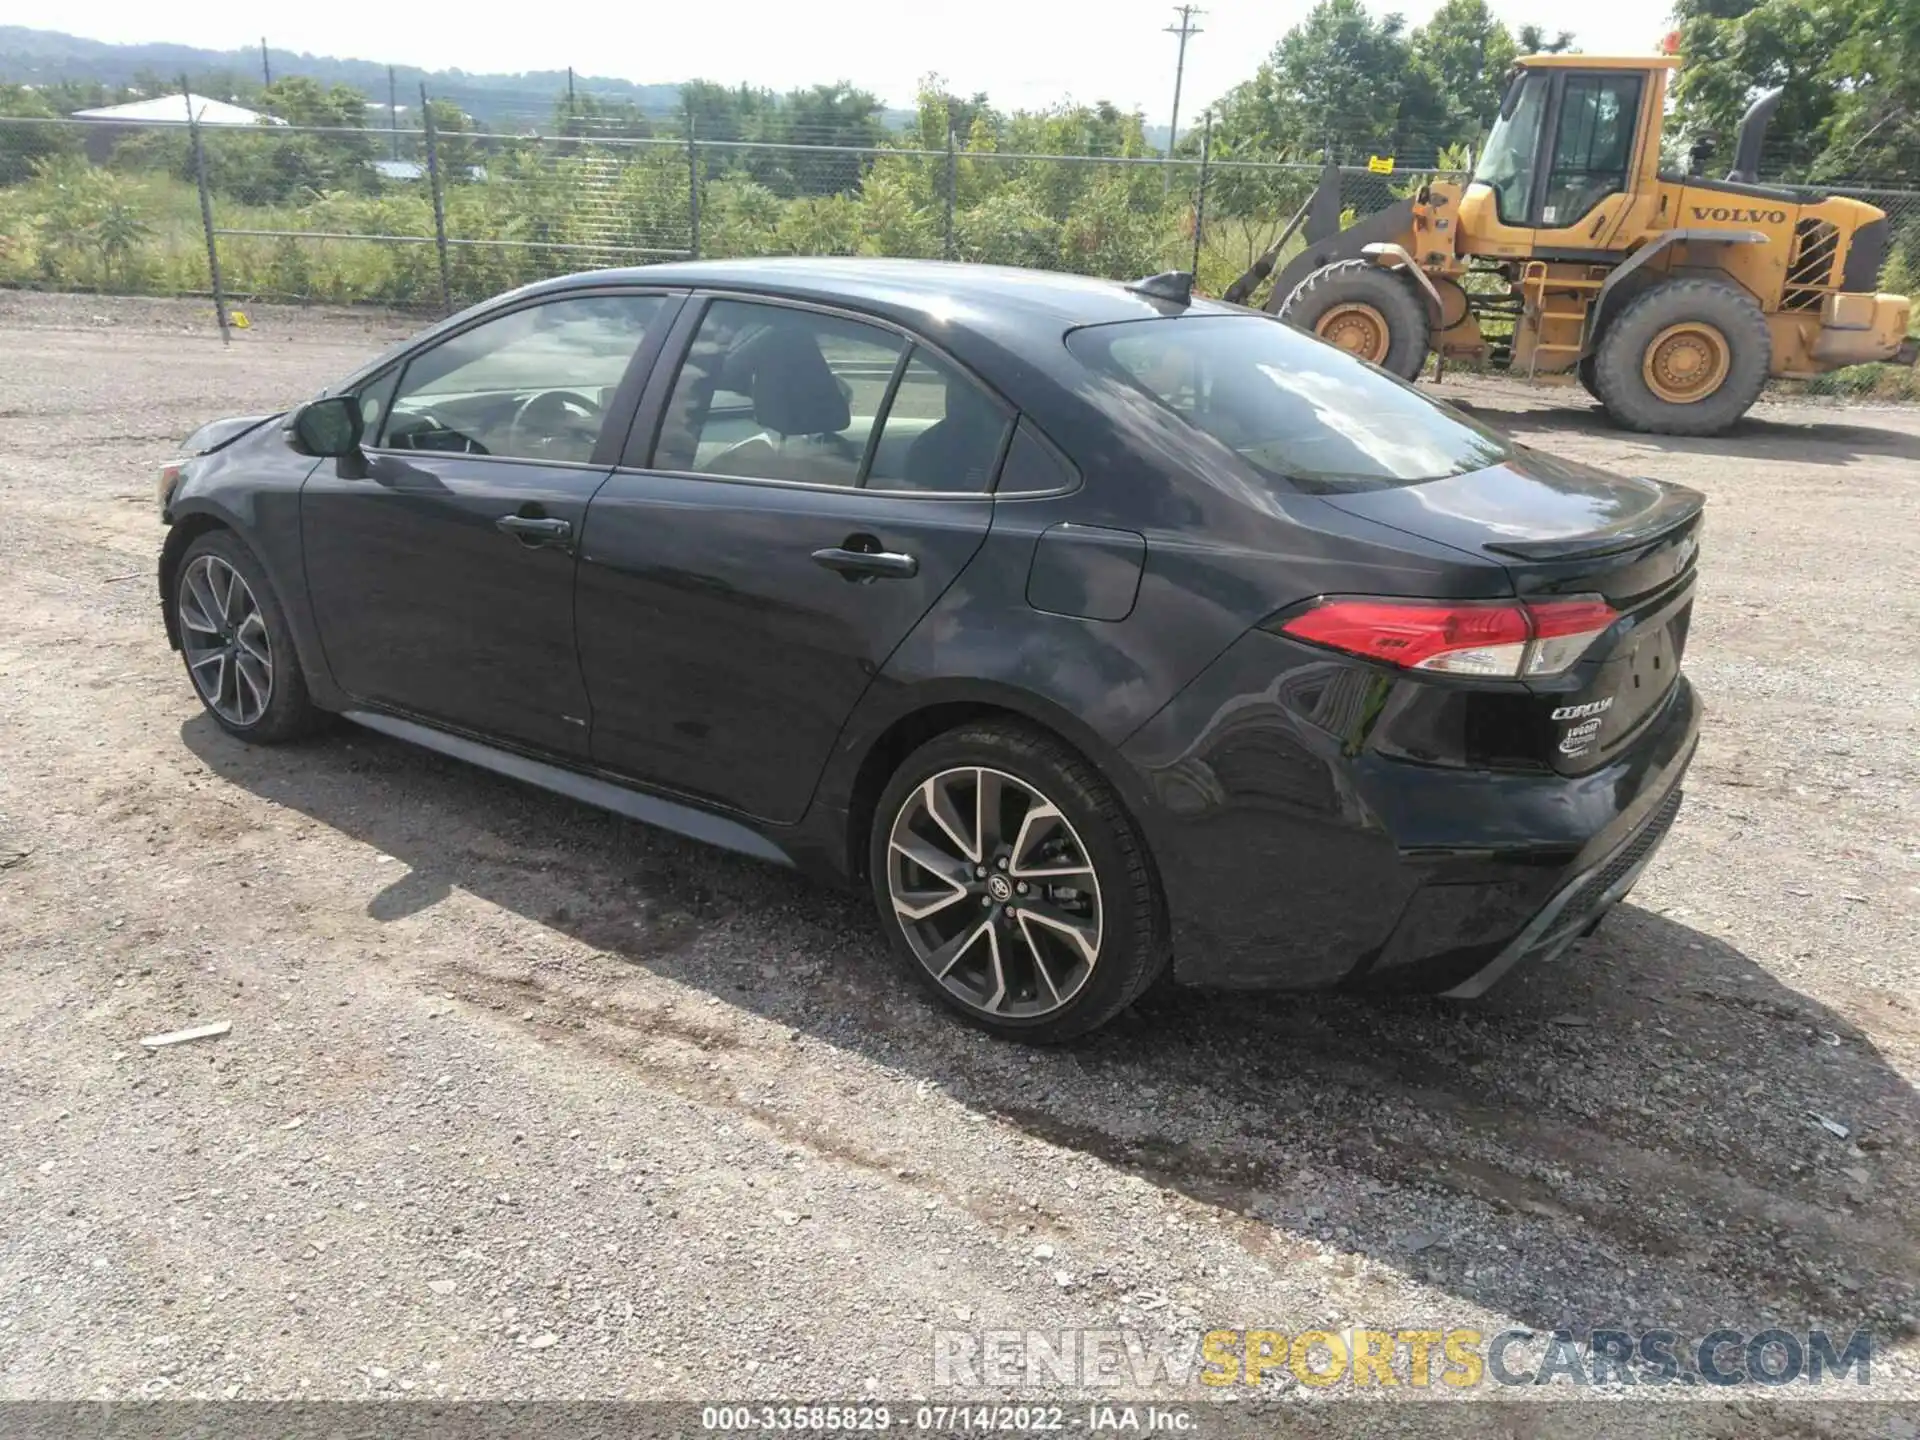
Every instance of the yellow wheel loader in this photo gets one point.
(1571, 255)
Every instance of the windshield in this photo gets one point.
(1291, 406)
(1507, 162)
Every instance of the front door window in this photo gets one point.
(1508, 162)
(533, 384)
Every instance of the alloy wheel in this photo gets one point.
(995, 892)
(229, 653)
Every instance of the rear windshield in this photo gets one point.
(1291, 406)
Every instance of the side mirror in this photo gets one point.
(329, 426)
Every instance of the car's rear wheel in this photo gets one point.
(1014, 885)
(235, 640)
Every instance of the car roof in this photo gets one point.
(1003, 323)
(929, 296)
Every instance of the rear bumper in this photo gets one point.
(1294, 856)
(1578, 905)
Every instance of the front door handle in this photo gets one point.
(868, 564)
(535, 529)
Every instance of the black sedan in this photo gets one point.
(1091, 626)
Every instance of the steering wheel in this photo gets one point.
(554, 409)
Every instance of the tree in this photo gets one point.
(718, 113)
(119, 226)
(575, 114)
(1340, 80)
(1745, 48)
(1846, 71)
(457, 154)
(301, 101)
(324, 146)
(1533, 41)
(838, 116)
(1466, 51)
(1875, 129)
(23, 147)
(938, 110)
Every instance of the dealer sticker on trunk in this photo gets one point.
(1588, 719)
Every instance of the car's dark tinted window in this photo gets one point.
(1291, 406)
(942, 432)
(1032, 466)
(533, 384)
(774, 393)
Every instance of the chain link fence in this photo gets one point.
(441, 215)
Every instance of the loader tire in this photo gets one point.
(1688, 357)
(1367, 311)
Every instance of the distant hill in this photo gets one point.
(40, 57)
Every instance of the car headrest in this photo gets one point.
(794, 393)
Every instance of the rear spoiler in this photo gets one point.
(1681, 510)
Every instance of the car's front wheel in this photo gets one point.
(1014, 885)
(235, 640)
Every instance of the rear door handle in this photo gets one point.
(535, 529)
(868, 564)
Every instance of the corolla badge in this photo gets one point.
(1580, 712)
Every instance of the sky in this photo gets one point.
(1024, 53)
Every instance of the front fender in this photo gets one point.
(241, 493)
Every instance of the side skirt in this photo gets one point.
(589, 789)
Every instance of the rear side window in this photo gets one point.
(1032, 467)
(943, 433)
(1294, 408)
(773, 393)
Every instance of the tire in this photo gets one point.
(1349, 288)
(1588, 381)
(232, 637)
(1683, 316)
(1067, 823)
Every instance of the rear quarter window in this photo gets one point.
(1295, 409)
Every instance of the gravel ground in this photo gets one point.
(525, 1100)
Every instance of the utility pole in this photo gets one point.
(393, 111)
(1184, 30)
(266, 67)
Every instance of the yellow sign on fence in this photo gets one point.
(1380, 166)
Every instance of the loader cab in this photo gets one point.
(1570, 161)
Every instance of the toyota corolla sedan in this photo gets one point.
(1094, 628)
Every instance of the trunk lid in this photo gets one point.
(1560, 529)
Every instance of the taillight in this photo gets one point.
(1509, 638)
